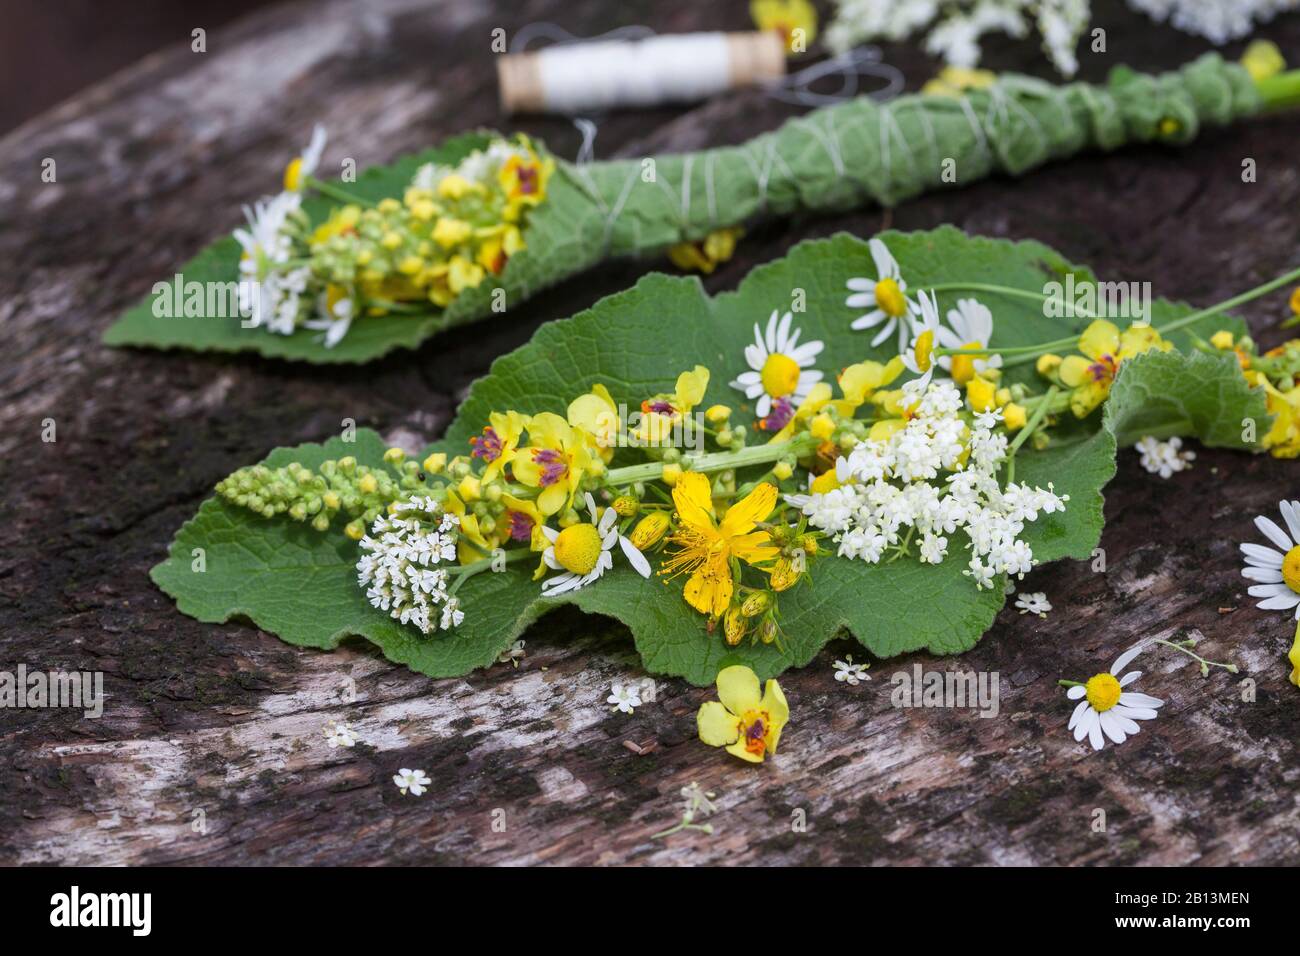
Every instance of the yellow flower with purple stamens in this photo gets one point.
(1104, 348)
(496, 446)
(662, 413)
(744, 721)
(555, 461)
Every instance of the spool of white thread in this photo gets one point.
(581, 78)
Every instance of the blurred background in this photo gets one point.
(50, 50)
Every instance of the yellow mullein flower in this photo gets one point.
(746, 723)
(956, 80)
(554, 462)
(705, 255)
(1283, 437)
(597, 415)
(463, 274)
(499, 244)
(1104, 348)
(524, 522)
(708, 548)
(795, 20)
(471, 544)
(1294, 658)
(496, 446)
(449, 231)
(342, 221)
(523, 179)
(662, 412)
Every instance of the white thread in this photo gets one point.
(585, 77)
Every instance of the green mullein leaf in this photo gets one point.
(301, 585)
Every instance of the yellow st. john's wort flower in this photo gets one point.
(497, 445)
(1104, 348)
(744, 721)
(597, 415)
(662, 412)
(554, 462)
(707, 548)
(795, 20)
(705, 255)
(523, 178)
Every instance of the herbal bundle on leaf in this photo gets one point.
(704, 471)
(332, 271)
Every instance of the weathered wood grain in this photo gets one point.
(228, 721)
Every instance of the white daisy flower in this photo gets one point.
(334, 320)
(1033, 602)
(625, 697)
(1277, 571)
(781, 373)
(339, 734)
(924, 333)
(885, 296)
(304, 165)
(971, 326)
(412, 780)
(584, 552)
(1106, 709)
(851, 673)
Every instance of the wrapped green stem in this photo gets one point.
(832, 159)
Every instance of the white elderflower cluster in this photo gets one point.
(1163, 458)
(398, 567)
(956, 27)
(894, 490)
(1219, 21)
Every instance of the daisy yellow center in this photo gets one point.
(293, 175)
(963, 366)
(577, 548)
(890, 298)
(1103, 692)
(924, 348)
(780, 375)
(1291, 569)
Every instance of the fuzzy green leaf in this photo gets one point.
(301, 585)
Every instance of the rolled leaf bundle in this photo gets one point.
(478, 225)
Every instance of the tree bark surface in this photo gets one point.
(211, 745)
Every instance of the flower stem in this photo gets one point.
(1186, 648)
(1280, 91)
(342, 195)
(467, 571)
(1028, 353)
(717, 461)
(1071, 683)
(1036, 419)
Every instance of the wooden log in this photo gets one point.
(211, 746)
